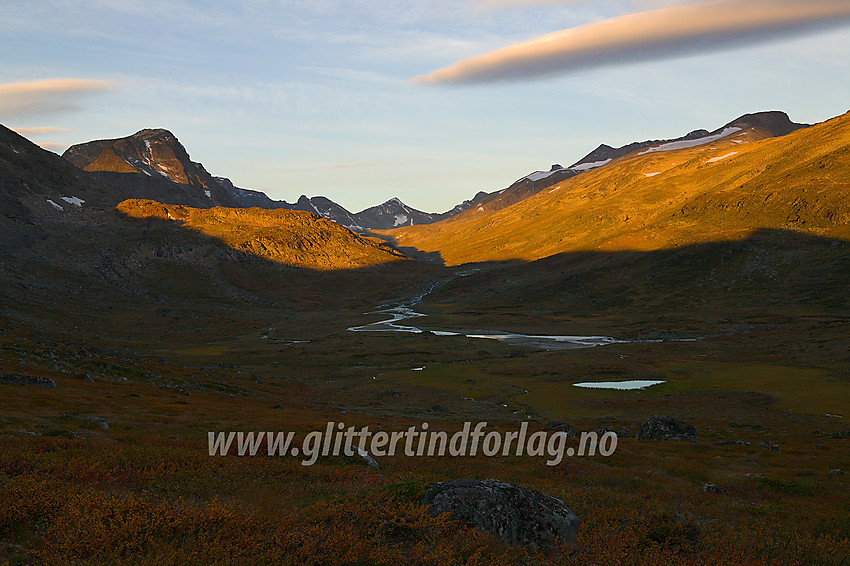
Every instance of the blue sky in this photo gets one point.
(316, 97)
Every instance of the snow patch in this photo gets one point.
(537, 175)
(136, 167)
(652, 174)
(400, 219)
(76, 201)
(56, 206)
(682, 144)
(716, 159)
(480, 209)
(209, 194)
(591, 165)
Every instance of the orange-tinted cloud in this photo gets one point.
(47, 95)
(665, 32)
(38, 131)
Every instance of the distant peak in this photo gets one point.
(778, 123)
(152, 132)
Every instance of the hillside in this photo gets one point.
(666, 196)
(758, 125)
(285, 236)
(35, 184)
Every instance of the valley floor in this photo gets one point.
(144, 490)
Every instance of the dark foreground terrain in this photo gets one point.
(127, 337)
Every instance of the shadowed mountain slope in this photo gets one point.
(34, 183)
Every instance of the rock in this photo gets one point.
(711, 488)
(561, 426)
(837, 472)
(770, 446)
(623, 432)
(517, 515)
(97, 421)
(18, 379)
(666, 428)
(732, 443)
(369, 460)
(841, 434)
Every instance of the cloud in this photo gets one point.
(666, 32)
(47, 95)
(38, 131)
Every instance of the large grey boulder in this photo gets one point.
(666, 428)
(514, 514)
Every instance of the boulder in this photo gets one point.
(18, 379)
(517, 515)
(561, 426)
(666, 428)
(98, 422)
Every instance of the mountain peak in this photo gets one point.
(151, 156)
(776, 122)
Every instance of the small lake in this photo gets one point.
(621, 385)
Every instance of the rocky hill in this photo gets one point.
(289, 237)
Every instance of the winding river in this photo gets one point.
(542, 341)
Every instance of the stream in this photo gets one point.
(542, 341)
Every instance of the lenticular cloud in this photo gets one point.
(46, 95)
(667, 32)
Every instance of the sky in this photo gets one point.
(430, 101)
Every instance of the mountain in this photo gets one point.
(390, 214)
(153, 164)
(66, 250)
(36, 184)
(714, 186)
(759, 125)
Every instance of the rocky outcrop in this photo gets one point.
(18, 379)
(517, 515)
(666, 428)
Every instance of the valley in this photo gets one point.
(720, 269)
